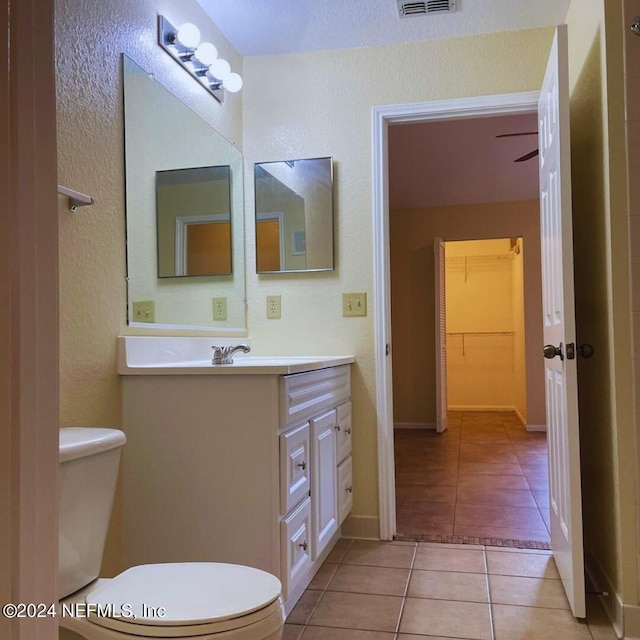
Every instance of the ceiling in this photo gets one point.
(457, 162)
(268, 27)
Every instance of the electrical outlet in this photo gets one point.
(354, 304)
(273, 307)
(220, 308)
(144, 311)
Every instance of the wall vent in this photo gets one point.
(407, 8)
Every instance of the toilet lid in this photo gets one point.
(189, 593)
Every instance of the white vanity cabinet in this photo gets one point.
(248, 469)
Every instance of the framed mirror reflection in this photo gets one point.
(294, 215)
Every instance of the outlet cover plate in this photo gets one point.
(220, 308)
(354, 304)
(144, 311)
(274, 308)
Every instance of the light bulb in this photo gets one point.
(220, 69)
(233, 83)
(188, 35)
(206, 53)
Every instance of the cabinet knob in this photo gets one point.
(304, 546)
(302, 465)
(349, 489)
(338, 427)
(348, 430)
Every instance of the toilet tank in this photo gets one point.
(89, 459)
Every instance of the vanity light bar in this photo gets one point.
(198, 59)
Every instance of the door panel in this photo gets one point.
(559, 325)
(441, 336)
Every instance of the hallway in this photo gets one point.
(484, 481)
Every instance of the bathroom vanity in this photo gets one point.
(247, 463)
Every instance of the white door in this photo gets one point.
(559, 325)
(441, 336)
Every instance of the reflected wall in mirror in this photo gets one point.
(164, 136)
(194, 222)
(294, 215)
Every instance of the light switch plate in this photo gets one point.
(144, 311)
(220, 308)
(274, 308)
(354, 304)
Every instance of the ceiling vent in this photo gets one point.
(407, 9)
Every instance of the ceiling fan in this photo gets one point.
(526, 156)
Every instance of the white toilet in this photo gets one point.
(200, 600)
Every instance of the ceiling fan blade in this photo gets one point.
(511, 135)
(527, 156)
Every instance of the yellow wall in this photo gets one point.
(319, 104)
(479, 299)
(609, 465)
(412, 308)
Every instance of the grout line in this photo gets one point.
(406, 590)
(486, 568)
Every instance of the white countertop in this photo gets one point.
(159, 355)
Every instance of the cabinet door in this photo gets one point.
(295, 546)
(345, 489)
(324, 509)
(343, 432)
(294, 467)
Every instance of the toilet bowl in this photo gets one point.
(202, 600)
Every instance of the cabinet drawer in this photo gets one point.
(343, 432)
(304, 395)
(345, 489)
(295, 546)
(294, 467)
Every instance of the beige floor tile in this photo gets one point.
(533, 623)
(461, 559)
(304, 608)
(525, 565)
(329, 633)
(380, 554)
(339, 551)
(383, 581)
(410, 636)
(528, 592)
(292, 631)
(446, 618)
(323, 577)
(447, 585)
(357, 611)
(449, 545)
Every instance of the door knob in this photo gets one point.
(550, 351)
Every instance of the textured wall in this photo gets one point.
(90, 36)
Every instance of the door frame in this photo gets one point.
(383, 116)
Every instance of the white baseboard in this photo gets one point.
(414, 425)
(473, 407)
(361, 527)
(631, 621)
(536, 427)
(520, 416)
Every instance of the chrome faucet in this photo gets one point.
(224, 355)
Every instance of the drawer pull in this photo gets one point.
(338, 427)
(304, 545)
(302, 465)
(349, 489)
(348, 431)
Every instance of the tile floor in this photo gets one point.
(430, 591)
(484, 480)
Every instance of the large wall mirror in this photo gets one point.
(294, 215)
(184, 198)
